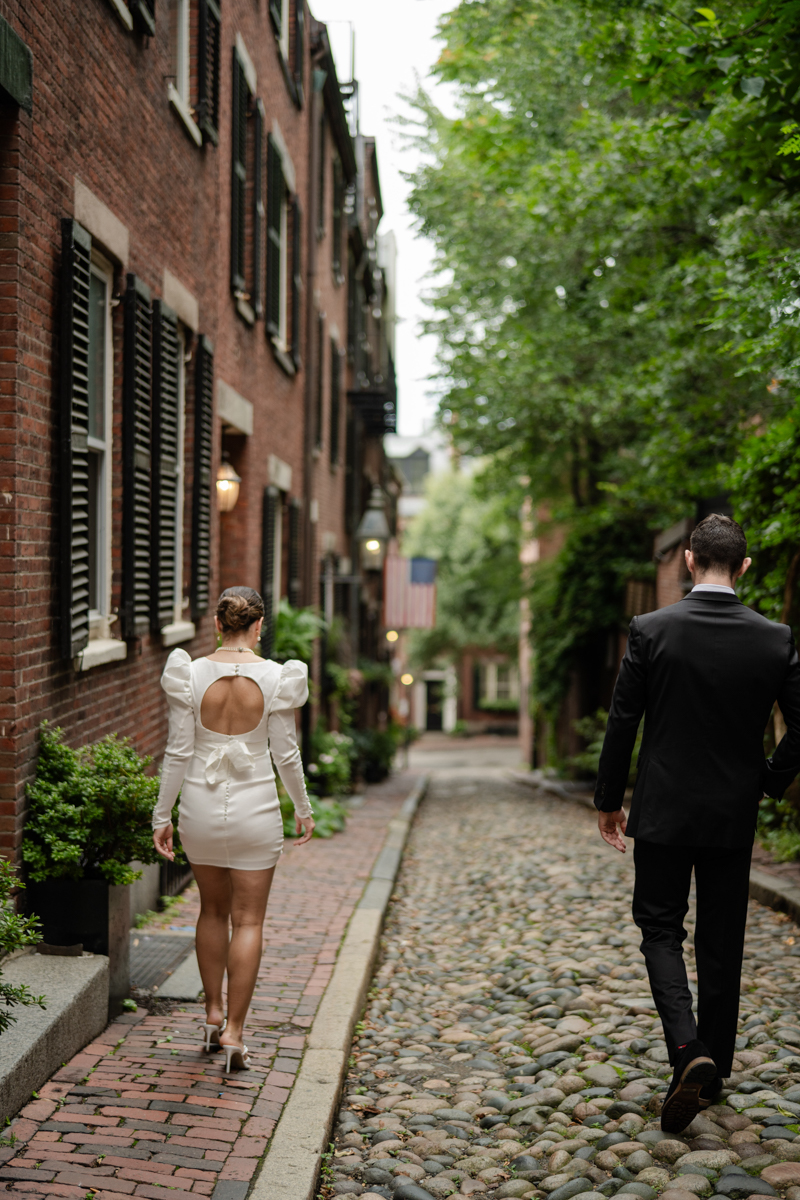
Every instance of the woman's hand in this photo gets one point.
(300, 823)
(162, 840)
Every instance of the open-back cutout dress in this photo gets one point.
(229, 810)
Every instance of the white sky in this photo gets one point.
(394, 41)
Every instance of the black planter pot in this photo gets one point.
(93, 913)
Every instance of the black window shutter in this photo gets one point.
(294, 552)
(144, 15)
(136, 451)
(166, 478)
(238, 174)
(299, 48)
(209, 39)
(271, 502)
(322, 172)
(75, 283)
(276, 13)
(275, 190)
(201, 507)
(336, 401)
(336, 224)
(258, 204)
(320, 369)
(297, 279)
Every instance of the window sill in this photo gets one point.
(179, 631)
(245, 311)
(100, 651)
(284, 360)
(123, 12)
(182, 109)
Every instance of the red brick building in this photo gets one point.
(180, 243)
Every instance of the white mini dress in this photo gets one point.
(229, 813)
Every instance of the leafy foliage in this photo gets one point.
(767, 489)
(375, 750)
(329, 816)
(295, 632)
(89, 811)
(475, 539)
(578, 595)
(15, 933)
(593, 730)
(617, 297)
(697, 61)
(333, 754)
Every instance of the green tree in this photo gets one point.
(475, 539)
(616, 302)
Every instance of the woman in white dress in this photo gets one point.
(227, 712)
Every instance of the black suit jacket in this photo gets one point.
(705, 673)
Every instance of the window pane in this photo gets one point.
(94, 514)
(503, 683)
(97, 357)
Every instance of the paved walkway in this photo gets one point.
(142, 1111)
(511, 1047)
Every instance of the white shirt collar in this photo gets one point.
(713, 587)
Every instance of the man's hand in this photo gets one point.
(612, 827)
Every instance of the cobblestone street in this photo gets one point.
(510, 1046)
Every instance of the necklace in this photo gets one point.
(237, 649)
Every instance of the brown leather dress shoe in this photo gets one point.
(694, 1070)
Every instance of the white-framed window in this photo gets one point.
(182, 50)
(169, 443)
(282, 293)
(179, 88)
(101, 386)
(499, 683)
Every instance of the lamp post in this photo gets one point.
(373, 533)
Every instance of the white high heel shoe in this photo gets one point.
(212, 1033)
(236, 1057)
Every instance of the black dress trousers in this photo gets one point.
(660, 903)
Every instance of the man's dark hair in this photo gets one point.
(718, 543)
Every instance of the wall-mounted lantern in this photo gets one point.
(373, 533)
(227, 486)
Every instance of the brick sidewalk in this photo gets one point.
(143, 1111)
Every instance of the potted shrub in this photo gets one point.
(89, 816)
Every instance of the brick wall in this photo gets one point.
(101, 112)
(672, 577)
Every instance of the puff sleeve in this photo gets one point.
(176, 682)
(292, 693)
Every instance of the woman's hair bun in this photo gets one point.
(238, 608)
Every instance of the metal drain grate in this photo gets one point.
(154, 956)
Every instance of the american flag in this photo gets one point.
(409, 593)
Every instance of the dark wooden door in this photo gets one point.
(434, 695)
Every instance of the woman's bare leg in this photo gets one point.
(250, 892)
(211, 939)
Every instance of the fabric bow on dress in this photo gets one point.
(238, 755)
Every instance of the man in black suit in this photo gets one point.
(705, 673)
